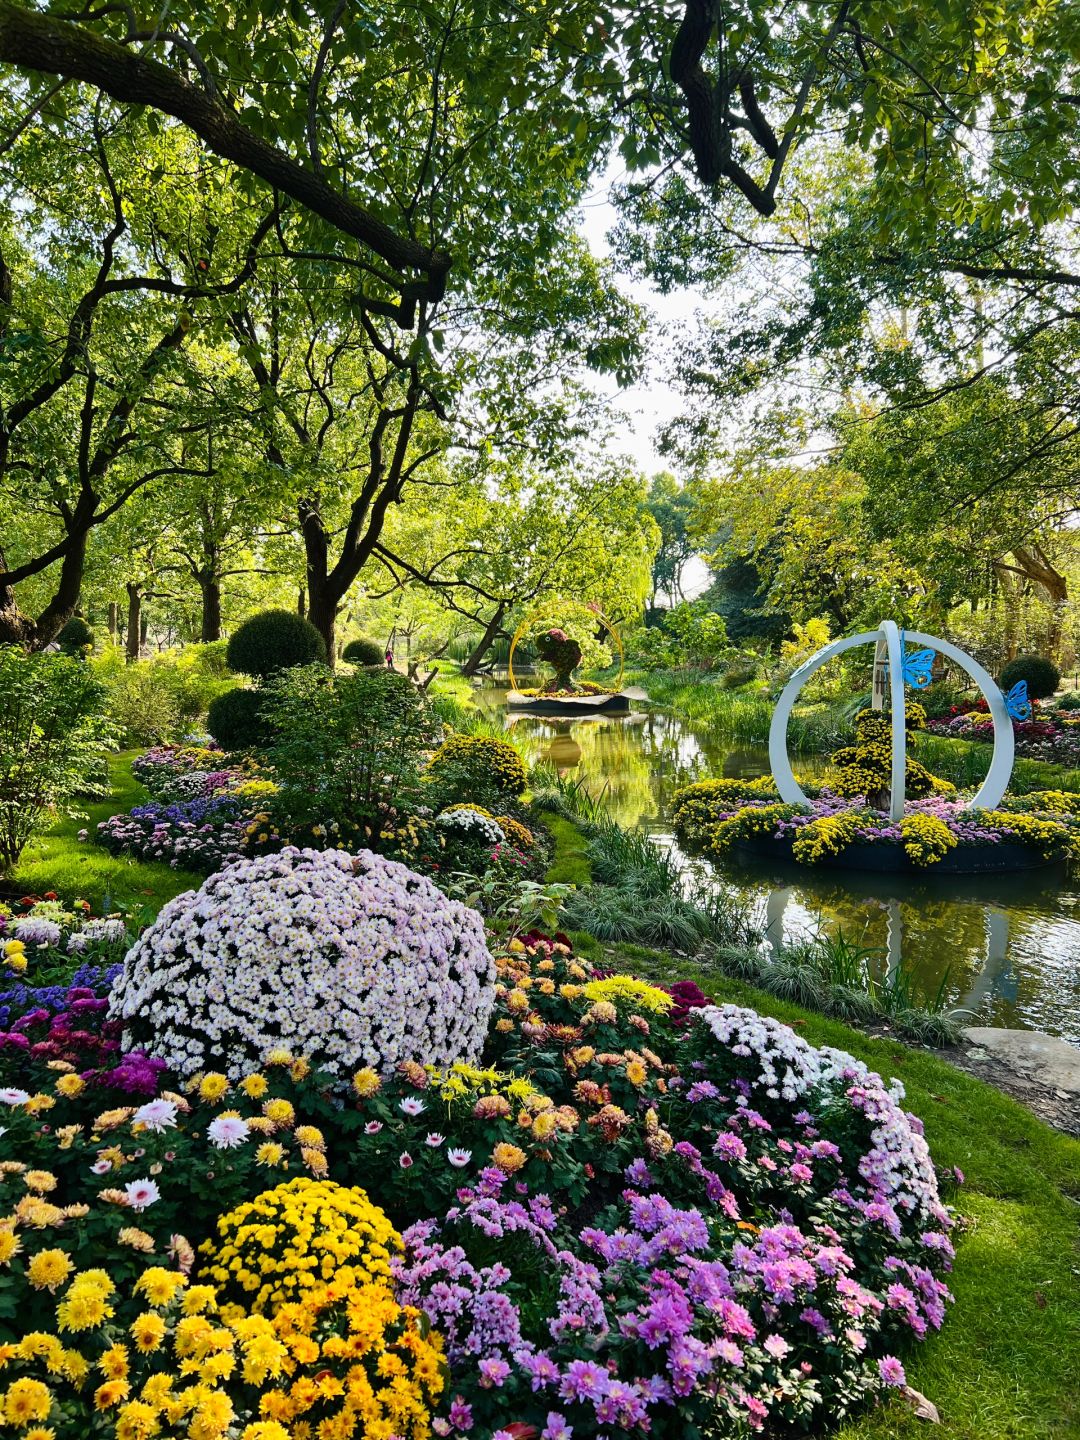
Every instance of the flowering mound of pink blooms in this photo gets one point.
(348, 960)
(766, 1251)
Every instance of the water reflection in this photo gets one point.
(1004, 948)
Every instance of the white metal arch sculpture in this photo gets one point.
(890, 656)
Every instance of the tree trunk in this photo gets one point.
(301, 602)
(210, 586)
(322, 612)
(112, 621)
(1035, 564)
(15, 627)
(134, 621)
(18, 628)
(472, 664)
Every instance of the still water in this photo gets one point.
(1005, 948)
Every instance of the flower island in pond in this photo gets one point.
(878, 808)
(584, 636)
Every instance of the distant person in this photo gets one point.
(389, 658)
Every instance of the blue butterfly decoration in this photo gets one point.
(917, 666)
(1017, 702)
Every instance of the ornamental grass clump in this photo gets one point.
(344, 959)
(300, 1235)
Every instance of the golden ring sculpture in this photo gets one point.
(535, 615)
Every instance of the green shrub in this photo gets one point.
(1070, 700)
(76, 638)
(141, 703)
(363, 652)
(165, 696)
(237, 719)
(52, 730)
(738, 674)
(1042, 675)
(477, 763)
(347, 753)
(274, 640)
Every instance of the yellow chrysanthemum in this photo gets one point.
(137, 1421)
(366, 1082)
(10, 1244)
(82, 1309)
(255, 1086)
(159, 1285)
(48, 1269)
(110, 1394)
(148, 1331)
(25, 1401)
(114, 1363)
(213, 1086)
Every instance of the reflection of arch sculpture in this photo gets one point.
(889, 657)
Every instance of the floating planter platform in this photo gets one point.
(617, 703)
(879, 809)
(892, 859)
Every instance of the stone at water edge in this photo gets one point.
(1043, 1058)
(921, 1407)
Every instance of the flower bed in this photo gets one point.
(201, 834)
(715, 817)
(1052, 735)
(635, 1213)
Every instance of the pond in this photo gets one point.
(1003, 949)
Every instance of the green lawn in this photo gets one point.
(78, 869)
(1006, 1365)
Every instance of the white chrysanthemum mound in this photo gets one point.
(349, 960)
(468, 824)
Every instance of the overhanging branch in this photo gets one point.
(35, 41)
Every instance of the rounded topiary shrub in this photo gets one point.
(1042, 675)
(363, 652)
(76, 638)
(271, 641)
(483, 760)
(351, 961)
(237, 720)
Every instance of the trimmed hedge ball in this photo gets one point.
(363, 652)
(1042, 676)
(271, 641)
(484, 760)
(351, 961)
(76, 638)
(237, 720)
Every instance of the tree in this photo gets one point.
(419, 140)
(512, 537)
(672, 507)
(93, 329)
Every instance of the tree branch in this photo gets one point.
(40, 42)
